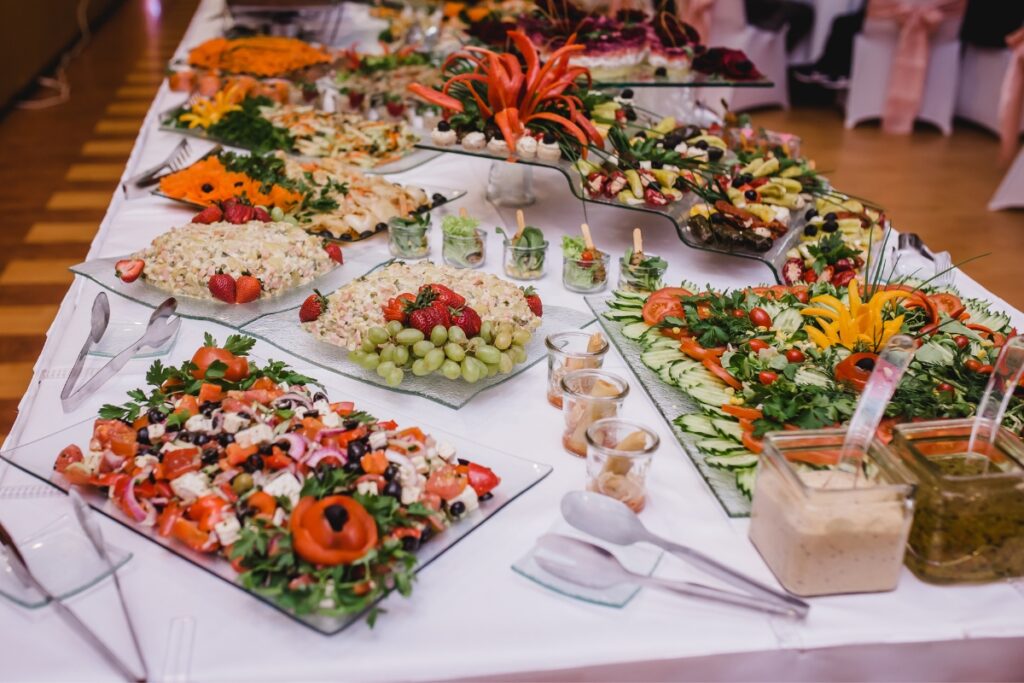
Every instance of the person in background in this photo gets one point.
(988, 22)
(832, 70)
(772, 15)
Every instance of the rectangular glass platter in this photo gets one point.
(36, 457)
(671, 403)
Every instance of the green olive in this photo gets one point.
(241, 483)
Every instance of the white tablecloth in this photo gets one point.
(470, 615)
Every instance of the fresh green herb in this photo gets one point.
(248, 128)
(829, 250)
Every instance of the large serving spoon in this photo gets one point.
(1004, 380)
(613, 521)
(589, 565)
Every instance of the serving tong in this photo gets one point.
(137, 186)
(163, 324)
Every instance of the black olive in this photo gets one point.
(867, 364)
(463, 462)
(350, 424)
(319, 396)
(284, 445)
(265, 449)
(356, 449)
(254, 463)
(627, 94)
(207, 187)
(185, 436)
(155, 416)
(201, 439)
(549, 138)
(715, 153)
(830, 216)
(672, 140)
(486, 496)
(393, 489)
(811, 213)
(750, 195)
(207, 408)
(311, 413)
(830, 226)
(391, 472)
(381, 226)
(353, 466)
(336, 516)
(444, 126)
(457, 508)
(225, 438)
(747, 178)
(718, 218)
(701, 144)
(173, 428)
(630, 113)
(810, 230)
(210, 456)
(438, 198)
(737, 182)
(661, 71)
(410, 544)
(142, 436)
(657, 164)
(426, 534)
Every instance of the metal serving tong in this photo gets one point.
(138, 185)
(20, 568)
(163, 324)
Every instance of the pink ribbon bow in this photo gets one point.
(697, 14)
(910, 64)
(1011, 98)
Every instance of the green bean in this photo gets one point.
(378, 335)
(434, 359)
(488, 354)
(439, 335)
(454, 351)
(451, 369)
(503, 340)
(422, 348)
(456, 334)
(409, 336)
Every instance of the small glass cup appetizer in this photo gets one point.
(619, 452)
(817, 532)
(524, 252)
(409, 238)
(464, 243)
(969, 518)
(589, 396)
(568, 351)
(584, 267)
(640, 272)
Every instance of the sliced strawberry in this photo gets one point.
(247, 289)
(222, 286)
(428, 310)
(260, 214)
(313, 307)
(210, 214)
(533, 301)
(129, 269)
(238, 213)
(334, 251)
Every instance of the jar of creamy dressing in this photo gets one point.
(820, 534)
(969, 521)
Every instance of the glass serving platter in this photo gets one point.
(413, 158)
(518, 475)
(672, 403)
(284, 331)
(676, 212)
(645, 76)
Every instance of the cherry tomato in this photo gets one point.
(943, 387)
(70, 454)
(481, 479)
(795, 356)
(973, 364)
(446, 482)
(758, 344)
(961, 341)
(986, 369)
(760, 318)
(767, 377)
(703, 311)
(737, 313)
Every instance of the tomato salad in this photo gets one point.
(316, 504)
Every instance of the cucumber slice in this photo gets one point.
(711, 396)
(745, 480)
(634, 330)
(695, 423)
(682, 369)
(656, 359)
(663, 343)
(626, 306)
(728, 428)
(622, 316)
(744, 460)
(789, 321)
(720, 446)
(651, 335)
(630, 296)
(665, 374)
(699, 377)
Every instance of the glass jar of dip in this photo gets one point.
(589, 396)
(568, 351)
(820, 535)
(969, 518)
(619, 453)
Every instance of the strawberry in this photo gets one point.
(395, 108)
(445, 295)
(222, 286)
(210, 214)
(427, 311)
(355, 99)
(248, 289)
(395, 307)
(334, 251)
(533, 301)
(468, 319)
(260, 214)
(129, 269)
(237, 213)
(313, 307)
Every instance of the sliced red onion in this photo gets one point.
(333, 431)
(321, 453)
(296, 445)
(399, 459)
(294, 396)
(226, 476)
(131, 503)
(112, 459)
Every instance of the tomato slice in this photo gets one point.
(446, 482)
(721, 373)
(947, 303)
(180, 461)
(165, 522)
(315, 538)
(191, 535)
(664, 303)
(207, 511)
(263, 503)
(70, 454)
(481, 479)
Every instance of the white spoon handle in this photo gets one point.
(1001, 385)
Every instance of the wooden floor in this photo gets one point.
(59, 166)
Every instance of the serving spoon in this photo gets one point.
(592, 566)
(612, 521)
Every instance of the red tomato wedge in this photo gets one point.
(721, 373)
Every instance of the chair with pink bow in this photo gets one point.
(724, 23)
(906, 63)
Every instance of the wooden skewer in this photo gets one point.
(638, 247)
(587, 240)
(463, 213)
(521, 222)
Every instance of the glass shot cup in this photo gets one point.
(408, 241)
(524, 263)
(589, 396)
(823, 530)
(969, 517)
(639, 278)
(467, 251)
(619, 453)
(568, 351)
(583, 276)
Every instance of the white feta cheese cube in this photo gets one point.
(142, 461)
(367, 488)
(190, 486)
(467, 498)
(198, 423)
(92, 460)
(233, 422)
(284, 484)
(420, 463)
(227, 530)
(279, 515)
(446, 451)
(378, 440)
(323, 407)
(410, 494)
(330, 420)
(254, 435)
(156, 430)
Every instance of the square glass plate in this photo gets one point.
(518, 475)
(671, 403)
(636, 558)
(62, 559)
(121, 334)
(284, 331)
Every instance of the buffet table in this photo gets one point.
(470, 615)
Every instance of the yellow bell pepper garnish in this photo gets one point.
(205, 112)
(858, 324)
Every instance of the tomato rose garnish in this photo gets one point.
(333, 530)
(855, 369)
